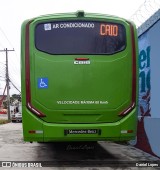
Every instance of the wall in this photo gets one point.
(148, 134)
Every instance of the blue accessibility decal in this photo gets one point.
(43, 83)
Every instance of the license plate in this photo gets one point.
(82, 131)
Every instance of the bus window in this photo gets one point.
(80, 37)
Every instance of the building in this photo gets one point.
(148, 135)
(2, 98)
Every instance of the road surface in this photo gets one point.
(68, 155)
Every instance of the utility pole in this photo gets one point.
(7, 82)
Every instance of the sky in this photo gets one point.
(14, 12)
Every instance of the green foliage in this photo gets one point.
(5, 104)
(15, 97)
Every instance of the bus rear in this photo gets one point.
(79, 78)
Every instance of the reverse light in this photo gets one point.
(35, 131)
(126, 131)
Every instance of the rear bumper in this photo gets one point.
(108, 132)
(48, 132)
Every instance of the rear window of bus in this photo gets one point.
(80, 37)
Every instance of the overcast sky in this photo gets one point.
(14, 12)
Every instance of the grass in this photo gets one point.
(4, 121)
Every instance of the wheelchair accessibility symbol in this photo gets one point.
(43, 83)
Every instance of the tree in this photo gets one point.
(15, 97)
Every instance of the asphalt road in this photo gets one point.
(67, 156)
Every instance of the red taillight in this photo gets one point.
(82, 59)
(32, 131)
(134, 74)
(35, 131)
(28, 88)
(130, 131)
(126, 131)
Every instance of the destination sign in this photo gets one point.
(109, 29)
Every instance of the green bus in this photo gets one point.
(79, 78)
